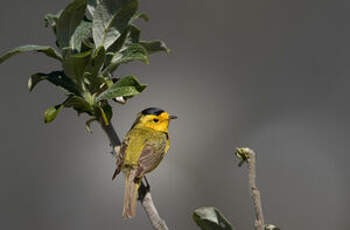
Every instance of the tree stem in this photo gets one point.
(112, 136)
(145, 196)
(255, 193)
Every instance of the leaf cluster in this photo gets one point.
(93, 38)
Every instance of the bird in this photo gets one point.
(141, 151)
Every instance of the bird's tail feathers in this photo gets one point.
(130, 197)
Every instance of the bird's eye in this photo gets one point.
(155, 120)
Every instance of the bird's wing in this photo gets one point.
(152, 154)
(120, 157)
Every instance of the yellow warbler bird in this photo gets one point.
(141, 152)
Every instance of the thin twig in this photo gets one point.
(145, 196)
(249, 156)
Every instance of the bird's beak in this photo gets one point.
(172, 117)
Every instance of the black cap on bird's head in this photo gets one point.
(156, 111)
(152, 110)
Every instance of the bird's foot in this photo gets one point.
(144, 189)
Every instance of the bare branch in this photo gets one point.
(248, 155)
(145, 196)
(146, 200)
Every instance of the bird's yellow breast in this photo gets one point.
(136, 140)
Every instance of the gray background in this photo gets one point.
(272, 75)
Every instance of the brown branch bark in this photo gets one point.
(145, 196)
(255, 193)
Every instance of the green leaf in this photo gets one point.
(118, 44)
(68, 22)
(74, 65)
(96, 62)
(91, 76)
(81, 34)
(57, 78)
(50, 52)
(210, 218)
(134, 52)
(79, 104)
(133, 34)
(142, 15)
(125, 87)
(155, 46)
(76, 102)
(91, 6)
(110, 19)
(51, 113)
